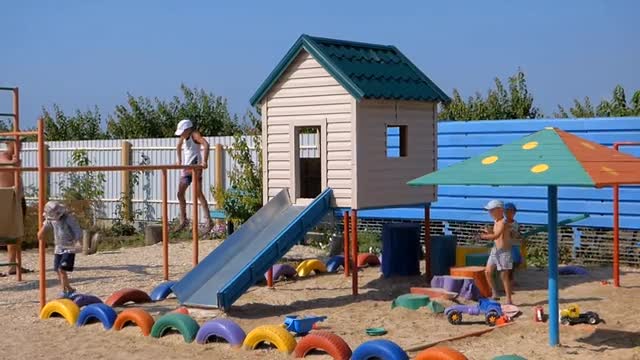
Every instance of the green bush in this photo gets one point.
(369, 241)
(538, 256)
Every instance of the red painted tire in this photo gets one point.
(440, 353)
(181, 310)
(135, 316)
(124, 296)
(325, 341)
(368, 259)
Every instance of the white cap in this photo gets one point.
(183, 125)
(494, 204)
(54, 210)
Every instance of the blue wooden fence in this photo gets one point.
(458, 141)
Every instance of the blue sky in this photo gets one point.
(84, 53)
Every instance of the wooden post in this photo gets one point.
(195, 221)
(126, 180)
(345, 235)
(41, 200)
(427, 241)
(165, 227)
(354, 251)
(219, 176)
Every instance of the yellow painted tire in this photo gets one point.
(273, 334)
(64, 307)
(306, 267)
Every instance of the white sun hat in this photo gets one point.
(183, 125)
(494, 204)
(54, 210)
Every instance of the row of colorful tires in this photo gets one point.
(332, 265)
(232, 333)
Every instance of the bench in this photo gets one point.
(218, 214)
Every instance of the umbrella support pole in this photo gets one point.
(552, 198)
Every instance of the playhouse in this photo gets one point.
(374, 115)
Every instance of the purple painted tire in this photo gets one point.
(282, 270)
(469, 290)
(85, 299)
(453, 284)
(437, 282)
(572, 270)
(221, 329)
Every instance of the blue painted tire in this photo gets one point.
(83, 300)
(161, 291)
(572, 270)
(334, 263)
(222, 329)
(381, 349)
(101, 312)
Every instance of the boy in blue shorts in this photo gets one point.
(516, 238)
(66, 232)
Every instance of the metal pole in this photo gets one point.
(345, 235)
(270, 277)
(17, 179)
(554, 332)
(195, 219)
(616, 236)
(427, 241)
(354, 251)
(42, 178)
(165, 227)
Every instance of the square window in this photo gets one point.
(396, 141)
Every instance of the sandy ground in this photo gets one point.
(24, 336)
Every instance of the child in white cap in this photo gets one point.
(189, 153)
(500, 256)
(66, 232)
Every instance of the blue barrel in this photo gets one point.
(443, 254)
(400, 249)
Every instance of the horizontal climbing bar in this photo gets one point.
(19, 133)
(8, 114)
(104, 168)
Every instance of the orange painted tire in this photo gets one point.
(124, 296)
(440, 353)
(135, 316)
(368, 259)
(325, 341)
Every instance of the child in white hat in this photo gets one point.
(66, 232)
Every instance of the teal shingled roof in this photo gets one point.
(365, 70)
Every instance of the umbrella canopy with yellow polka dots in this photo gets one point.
(547, 157)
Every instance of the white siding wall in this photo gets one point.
(381, 181)
(307, 95)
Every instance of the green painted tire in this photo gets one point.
(509, 357)
(410, 301)
(180, 322)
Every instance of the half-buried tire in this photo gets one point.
(136, 316)
(328, 342)
(83, 300)
(275, 335)
(184, 324)
(221, 329)
(440, 353)
(63, 307)
(127, 295)
(368, 259)
(161, 291)
(381, 349)
(101, 312)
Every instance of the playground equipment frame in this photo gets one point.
(616, 220)
(42, 169)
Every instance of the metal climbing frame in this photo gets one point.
(43, 170)
(616, 221)
(17, 178)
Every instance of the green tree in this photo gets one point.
(84, 125)
(145, 118)
(514, 102)
(616, 107)
(244, 197)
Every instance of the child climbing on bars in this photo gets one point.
(510, 211)
(66, 233)
(500, 256)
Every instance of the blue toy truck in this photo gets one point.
(489, 308)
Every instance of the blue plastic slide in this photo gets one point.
(243, 258)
